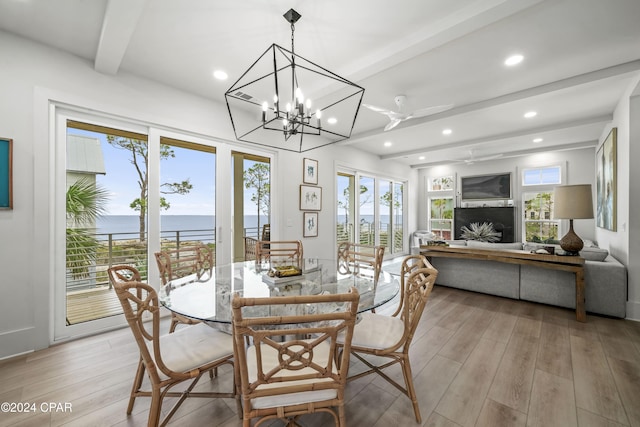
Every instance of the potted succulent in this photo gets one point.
(482, 232)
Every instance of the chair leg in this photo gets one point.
(411, 391)
(154, 410)
(342, 418)
(137, 383)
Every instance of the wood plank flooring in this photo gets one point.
(477, 360)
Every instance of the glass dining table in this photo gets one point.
(206, 295)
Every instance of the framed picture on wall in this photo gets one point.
(606, 182)
(6, 173)
(310, 198)
(310, 171)
(310, 224)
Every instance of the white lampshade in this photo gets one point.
(572, 202)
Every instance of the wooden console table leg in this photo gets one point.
(581, 313)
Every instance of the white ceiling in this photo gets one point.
(580, 55)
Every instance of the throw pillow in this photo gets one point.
(594, 254)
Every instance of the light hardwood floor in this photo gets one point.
(477, 360)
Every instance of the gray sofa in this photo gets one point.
(605, 279)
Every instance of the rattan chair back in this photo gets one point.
(180, 262)
(289, 368)
(250, 245)
(282, 252)
(354, 258)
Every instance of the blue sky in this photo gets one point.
(121, 180)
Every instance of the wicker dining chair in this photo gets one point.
(287, 252)
(289, 369)
(181, 262)
(250, 245)
(389, 337)
(354, 258)
(170, 359)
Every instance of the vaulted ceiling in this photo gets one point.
(578, 58)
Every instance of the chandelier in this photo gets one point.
(288, 102)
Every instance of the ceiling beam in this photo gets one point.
(461, 23)
(118, 25)
(493, 138)
(518, 153)
(593, 76)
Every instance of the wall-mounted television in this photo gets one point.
(483, 187)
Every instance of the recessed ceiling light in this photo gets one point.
(332, 120)
(447, 132)
(220, 75)
(388, 144)
(513, 60)
(421, 158)
(536, 140)
(530, 114)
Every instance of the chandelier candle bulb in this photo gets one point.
(265, 107)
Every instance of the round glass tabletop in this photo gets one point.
(207, 295)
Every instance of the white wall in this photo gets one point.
(579, 170)
(329, 159)
(624, 243)
(30, 76)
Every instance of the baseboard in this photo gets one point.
(633, 311)
(15, 343)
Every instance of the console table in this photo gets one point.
(574, 264)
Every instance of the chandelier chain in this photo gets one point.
(293, 28)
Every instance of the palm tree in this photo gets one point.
(86, 201)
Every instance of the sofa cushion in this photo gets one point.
(594, 254)
(496, 246)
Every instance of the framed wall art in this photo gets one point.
(310, 227)
(6, 173)
(310, 198)
(606, 185)
(310, 171)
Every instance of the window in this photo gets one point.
(440, 205)
(103, 227)
(538, 225)
(541, 176)
(441, 217)
(187, 199)
(372, 215)
(251, 199)
(345, 207)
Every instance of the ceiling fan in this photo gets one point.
(472, 158)
(396, 117)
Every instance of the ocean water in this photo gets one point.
(126, 226)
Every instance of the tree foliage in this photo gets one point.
(85, 202)
(257, 178)
(140, 161)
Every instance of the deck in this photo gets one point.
(83, 306)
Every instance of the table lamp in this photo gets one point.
(572, 202)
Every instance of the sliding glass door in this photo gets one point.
(371, 215)
(124, 191)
